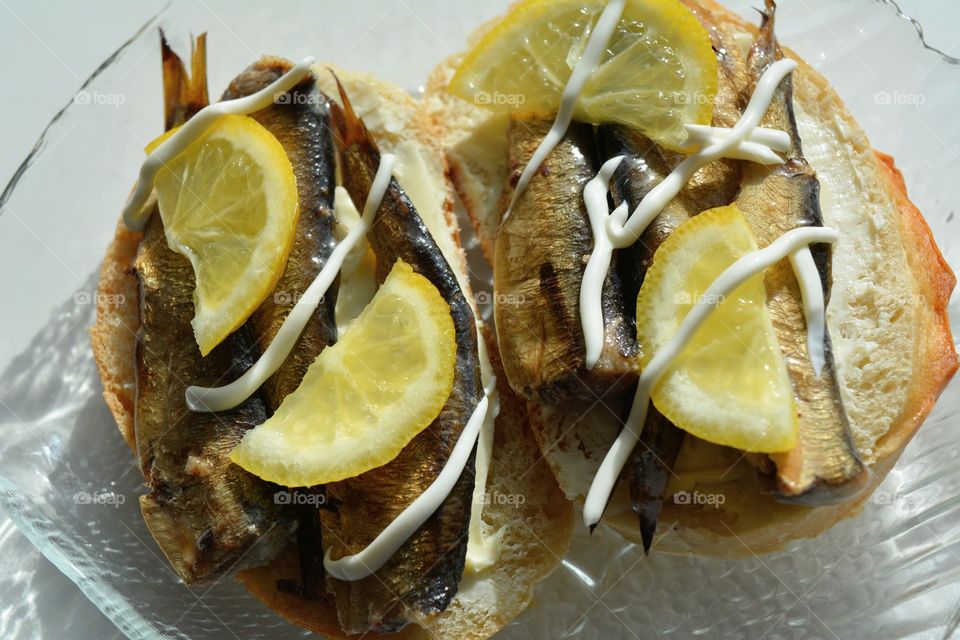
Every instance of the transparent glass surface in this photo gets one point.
(71, 485)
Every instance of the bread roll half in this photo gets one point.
(534, 532)
(887, 317)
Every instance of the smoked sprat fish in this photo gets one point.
(645, 165)
(208, 515)
(300, 121)
(824, 467)
(540, 257)
(422, 578)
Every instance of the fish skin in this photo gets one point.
(649, 470)
(300, 121)
(422, 578)
(824, 468)
(184, 94)
(208, 515)
(540, 256)
(645, 165)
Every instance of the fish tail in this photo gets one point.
(197, 86)
(651, 466)
(767, 14)
(347, 126)
(765, 50)
(183, 94)
(767, 18)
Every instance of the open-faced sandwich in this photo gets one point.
(304, 381)
(721, 307)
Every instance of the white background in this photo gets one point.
(47, 50)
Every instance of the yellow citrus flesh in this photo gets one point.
(729, 384)
(229, 204)
(659, 71)
(364, 398)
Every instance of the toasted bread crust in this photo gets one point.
(114, 336)
(935, 349)
(535, 535)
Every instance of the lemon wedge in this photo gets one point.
(729, 385)
(229, 204)
(364, 398)
(659, 71)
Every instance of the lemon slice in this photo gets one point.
(364, 398)
(659, 71)
(229, 204)
(730, 384)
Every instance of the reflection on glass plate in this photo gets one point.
(70, 484)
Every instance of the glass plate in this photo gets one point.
(70, 484)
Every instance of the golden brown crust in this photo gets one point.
(935, 349)
(113, 337)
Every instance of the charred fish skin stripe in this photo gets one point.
(207, 515)
(300, 120)
(422, 578)
(540, 257)
(825, 467)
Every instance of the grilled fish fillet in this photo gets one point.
(824, 467)
(208, 515)
(300, 120)
(539, 261)
(423, 576)
(645, 165)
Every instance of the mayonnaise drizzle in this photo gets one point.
(811, 292)
(725, 284)
(596, 45)
(591, 286)
(230, 395)
(624, 235)
(378, 552)
(134, 215)
(745, 141)
(483, 550)
(759, 146)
